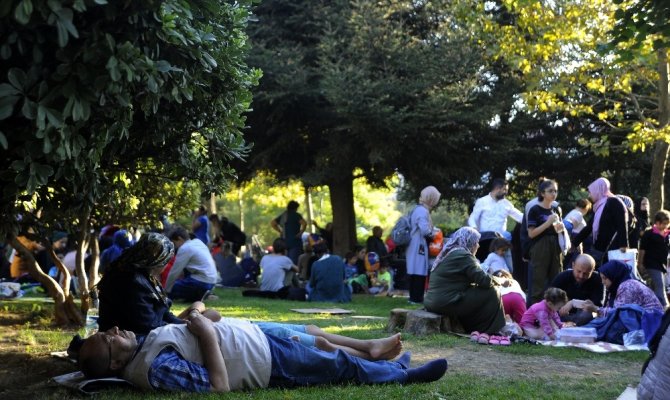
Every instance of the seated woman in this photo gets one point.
(623, 289)
(458, 286)
(131, 297)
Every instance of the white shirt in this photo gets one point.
(494, 263)
(274, 267)
(490, 215)
(577, 219)
(193, 256)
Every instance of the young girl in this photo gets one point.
(654, 248)
(495, 261)
(541, 320)
(512, 296)
(358, 283)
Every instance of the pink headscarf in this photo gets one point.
(599, 190)
(430, 196)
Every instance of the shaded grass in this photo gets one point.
(36, 337)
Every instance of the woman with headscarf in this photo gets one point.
(131, 296)
(416, 253)
(622, 289)
(609, 226)
(459, 286)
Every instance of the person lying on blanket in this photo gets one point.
(233, 355)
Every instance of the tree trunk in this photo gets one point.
(344, 217)
(240, 204)
(82, 246)
(310, 209)
(65, 310)
(660, 161)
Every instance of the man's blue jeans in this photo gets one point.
(189, 289)
(296, 365)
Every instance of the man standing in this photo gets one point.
(491, 211)
(200, 225)
(194, 261)
(290, 226)
(580, 283)
(489, 217)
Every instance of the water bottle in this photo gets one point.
(91, 322)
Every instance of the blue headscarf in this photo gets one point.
(617, 272)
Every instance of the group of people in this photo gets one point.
(142, 341)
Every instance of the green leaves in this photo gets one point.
(23, 11)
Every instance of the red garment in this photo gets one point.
(166, 271)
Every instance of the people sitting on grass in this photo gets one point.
(382, 281)
(229, 355)
(541, 320)
(512, 296)
(358, 283)
(194, 272)
(622, 289)
(327, 279)
(495, 261)
(458, 286)
(580, 284)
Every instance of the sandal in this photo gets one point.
(483, 339)
(504, 341)
(474, 336)
(494, 341)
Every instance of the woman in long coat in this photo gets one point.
(417, 253)
(459, 286)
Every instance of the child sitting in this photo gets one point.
(381, 284)
(541, 320)
(358, 283)
(495, 261)
(512, 296)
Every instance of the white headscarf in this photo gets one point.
(430, 196)
(464, 238)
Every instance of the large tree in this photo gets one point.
(90, 90)
(375, 87)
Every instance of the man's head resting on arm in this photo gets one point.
(105, 354)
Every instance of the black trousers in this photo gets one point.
(417, 287)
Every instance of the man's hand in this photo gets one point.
(589, 306)
(565, 310)
(207, 336)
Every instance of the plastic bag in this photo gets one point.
(633, 338)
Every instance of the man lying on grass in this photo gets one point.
(204, 356)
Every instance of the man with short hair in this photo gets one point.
(195, 262)
(580, 283)
(203, 356)
(276, 268)
(491, 211)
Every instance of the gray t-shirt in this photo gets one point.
(274, 267)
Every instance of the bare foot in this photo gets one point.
(379, 348)
(391, 354)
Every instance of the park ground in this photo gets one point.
(520, 371)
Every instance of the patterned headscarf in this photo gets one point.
(430, 196)
(464, 238)
(151, 252)
(617, 272)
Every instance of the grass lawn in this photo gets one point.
(475, 371)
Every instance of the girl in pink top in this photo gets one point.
(541, 320)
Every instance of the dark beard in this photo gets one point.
(500, 196)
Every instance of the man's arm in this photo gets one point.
(204, 330)
(275, 225)
(180, 262)
(303, 226)
(514, 213)
(473, 221)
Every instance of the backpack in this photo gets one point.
(401, 234)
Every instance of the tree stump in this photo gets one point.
(450, 323)
(397, 319)
(421, 323)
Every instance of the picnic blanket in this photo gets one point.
(597, 347)
(334, 311)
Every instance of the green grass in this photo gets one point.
(483, 383)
